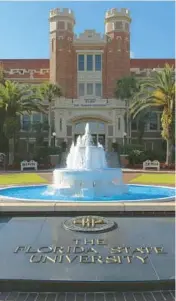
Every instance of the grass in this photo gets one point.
(155, 179)
(21, 178)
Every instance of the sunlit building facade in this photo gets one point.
(87, 68)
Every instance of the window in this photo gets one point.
(98, 62)
(36, 118)
(126, 26)
(69, 130)
(101, 127)
(96, 127)
(45, 121)
(160, 123)
(81, 62)
(52, 45)
(127, 45)
(119, 44)
(60, 124)
(119, 123)
(118, 25)
(98, 91)
(69, 26)
(153, 121)
(26, 122)
(80, 127)
(45, 117)
(110, 130)
(81, 89)
(61, 25)
(89, 89)
(89, 62)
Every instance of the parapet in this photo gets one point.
(114, 12)
(64, 12)
(90, 36)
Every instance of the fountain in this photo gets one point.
(86, 173)
(88, 178)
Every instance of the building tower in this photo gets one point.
(117, 49)
(62, 53)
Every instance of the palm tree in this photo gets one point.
(3, 139)
(125, 89)
(50, 92)
(15, 99)
(159, 91)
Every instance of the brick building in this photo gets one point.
(87, 67)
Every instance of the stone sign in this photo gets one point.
(87, 248)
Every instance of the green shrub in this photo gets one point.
(138, 156)
(42, 153)
(128, 148)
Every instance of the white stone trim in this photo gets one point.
(81, 51)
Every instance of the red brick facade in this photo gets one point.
(116, 61)
(61, 68)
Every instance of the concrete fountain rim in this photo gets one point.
(88, 202)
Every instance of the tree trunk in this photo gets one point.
(11, 151)
(49, 124)
(169, 152)
(141, 127)
(127, 122)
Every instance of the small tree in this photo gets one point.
(49, 92)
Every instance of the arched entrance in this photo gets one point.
(97, 129)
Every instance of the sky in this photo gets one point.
(25, 26)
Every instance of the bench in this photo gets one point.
(29, 164)
(151, 164)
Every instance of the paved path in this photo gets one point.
(110, 296)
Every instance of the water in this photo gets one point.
(87, 178)
(135, 193)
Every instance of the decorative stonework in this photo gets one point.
(26, 71)
(90, 36)
(89, 76)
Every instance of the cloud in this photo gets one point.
(131, 54)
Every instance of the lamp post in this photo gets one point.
(124, 136)
(54, 138)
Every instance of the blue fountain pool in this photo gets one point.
(135, 193)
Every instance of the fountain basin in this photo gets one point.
(136, 193)
(103, 182)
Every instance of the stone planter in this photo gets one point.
(124, 160)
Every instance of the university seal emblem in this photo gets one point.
(89, 224)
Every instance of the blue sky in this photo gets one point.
(25, 29)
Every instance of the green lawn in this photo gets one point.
(155, 179)
(21, 178)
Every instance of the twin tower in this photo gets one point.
(65, 47)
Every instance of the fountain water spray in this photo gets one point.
(86, 172)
